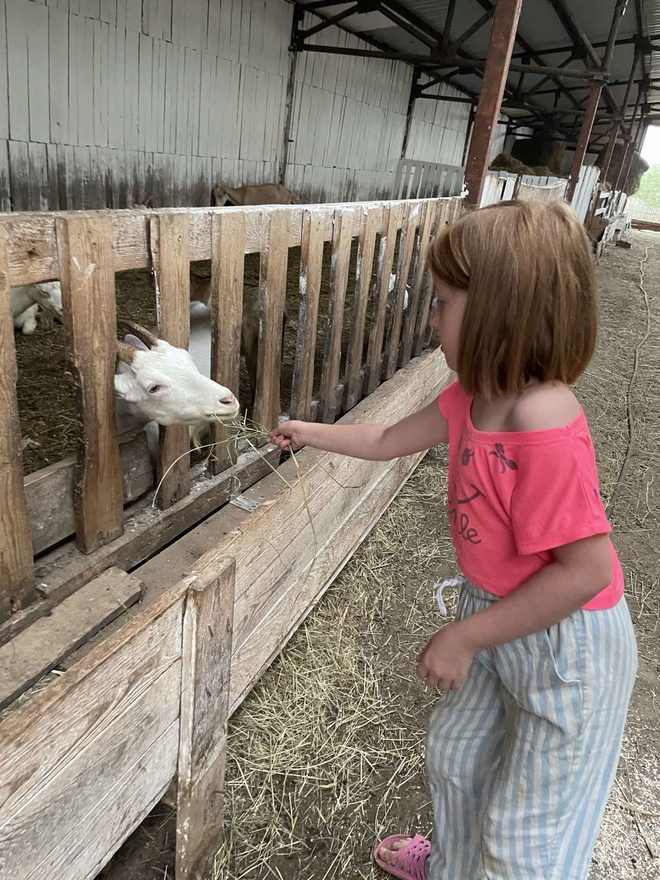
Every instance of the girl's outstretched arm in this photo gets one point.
(416, 433)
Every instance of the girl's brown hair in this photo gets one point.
(531, 301)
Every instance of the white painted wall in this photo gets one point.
(106, 102)
(349, 117)
(438, 128)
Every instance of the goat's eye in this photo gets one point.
(154, 388)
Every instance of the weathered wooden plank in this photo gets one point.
(33, 256)
(90, 813)
(16, 571)
(365, 258)
(40, 647)
(38, 177)
(226, 319)
(38, 104)
(4, 88)
(172, 266)
(64, 570)
(406, 249)
(443, 212)
(88, 295)
(272, 294)
(206, 664)
(44, 734)
(341, 254)
(419, 278)
(381, 293)
(49, 492)
(17, 62)
(311, 265)
(19, 174)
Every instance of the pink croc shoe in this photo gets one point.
(412, 858)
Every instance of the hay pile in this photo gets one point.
(506, 162)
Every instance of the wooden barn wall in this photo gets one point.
(438, 128)
(104, 103)
(348, 123)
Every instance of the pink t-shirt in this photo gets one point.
(515, 496)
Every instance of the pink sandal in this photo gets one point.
(412, 858)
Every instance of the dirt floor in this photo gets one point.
(326, 754)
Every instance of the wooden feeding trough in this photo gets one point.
(221, 587)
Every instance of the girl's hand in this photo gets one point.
(288, 435)
(445, 661)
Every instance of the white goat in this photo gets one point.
(26, 300)
(164, 384)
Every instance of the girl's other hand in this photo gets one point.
(445, 661)
(288, 435)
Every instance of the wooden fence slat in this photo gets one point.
(440, 215)
(406, 248)
(205, 681)
(227, 264)
(172, 265)
(419, 276)
(272, 295)
(84, 245)
(365, 259)
(16, 571)
(311, 264)
(381, 290)
(340, 259)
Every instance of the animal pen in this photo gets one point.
(224, 587)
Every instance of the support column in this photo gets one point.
(583, 139)
(502, 37)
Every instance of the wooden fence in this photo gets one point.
(416, 179)
(149, 703)
(84, 250)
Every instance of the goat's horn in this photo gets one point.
(138, 330)
(125, 352)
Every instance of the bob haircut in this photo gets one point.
(531, 310)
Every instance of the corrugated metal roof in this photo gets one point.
(541, 29)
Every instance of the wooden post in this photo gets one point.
(406, 249)
(86, 259)
(380, 294)
(341, 255)
(365, 259)
(16, 570)
(205, 677)
(502, 37)
(418, 283)
(583, 139)
(228, 260)
(311, 264)
(272, 296)
(172, 265)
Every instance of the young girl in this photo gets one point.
(540, 662)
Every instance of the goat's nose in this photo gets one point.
(229, 400)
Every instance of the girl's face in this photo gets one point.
(446, 319)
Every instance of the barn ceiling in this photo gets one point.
(442, 39)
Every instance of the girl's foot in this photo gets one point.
(403, 856)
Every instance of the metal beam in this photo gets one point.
(478, 24)
(583, 140)
(328, 22)
(502, 37)
(620, 41)
(446, 31)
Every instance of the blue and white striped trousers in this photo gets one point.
(521, 759)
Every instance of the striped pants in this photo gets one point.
(521, 759)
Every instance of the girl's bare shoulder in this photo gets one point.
(542, 406)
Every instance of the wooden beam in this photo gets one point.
(170, 234)
(583, 140)
(88, 297)
(502, 37)
(205, 679)
(16, 572)
(40, 647)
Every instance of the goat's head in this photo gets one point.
(161, 383)
(49, 295)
